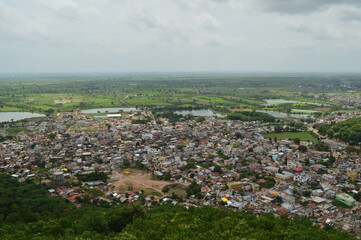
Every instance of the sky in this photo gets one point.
(180, 36)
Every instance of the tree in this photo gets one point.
(297, 141)
(278, 129)
(94, 193)
(238, 135)
(218, 169)
(302, 148)
(194, 189)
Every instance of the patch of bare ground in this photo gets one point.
(137, 180)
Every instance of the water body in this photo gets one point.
(17, 116)
(200, 113)
(284, 115)
(280, 101)
(110, 110)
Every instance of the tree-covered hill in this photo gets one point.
(52, 218)
(346, 131)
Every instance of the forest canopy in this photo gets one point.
(346, 131)
(251, 116)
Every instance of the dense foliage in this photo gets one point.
(347, 131)
(94, 176)
(20, 202)
(251, 116)
(55, 219)
(194, 189)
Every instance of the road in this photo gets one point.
(333, 143)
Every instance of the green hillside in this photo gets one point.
(27, 213)
(346, 131)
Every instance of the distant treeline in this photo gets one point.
(95, 83)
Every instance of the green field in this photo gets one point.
(303, 136)
(304, 111)
(217, 92)
(149, 191)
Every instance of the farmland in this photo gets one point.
(221, 93)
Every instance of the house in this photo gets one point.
(284, 176)
(235, 185)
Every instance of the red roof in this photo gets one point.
(282, 211)
(299, 169)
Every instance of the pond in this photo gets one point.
(17, 116)
(200, 113)
(284, 115)
(278, 101)
(110, 110)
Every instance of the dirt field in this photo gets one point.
(179, 190)
(138, 180)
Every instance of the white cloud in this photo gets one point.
(15, 25)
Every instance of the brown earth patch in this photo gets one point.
(138, 180)
(241, 110)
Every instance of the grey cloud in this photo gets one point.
(351, 15)
(318, 32)
(64, 8)
(301, 28)
(69, 9)
(300, 6)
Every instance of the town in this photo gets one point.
(139, 157)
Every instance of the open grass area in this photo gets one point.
(303, 136)
(303, 111)
(177, 189)
(149, 191)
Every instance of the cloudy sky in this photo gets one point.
(180, 35)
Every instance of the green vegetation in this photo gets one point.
(175, 189)
(251, 116)
(150, 191)
(51, 94)
(346, 131)
(267, 183)
(194, 189)
(27, 213)
(94, 176)
(21, 202)
(323, 147)
(304, 111)
(340, 204)
(303, 136)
